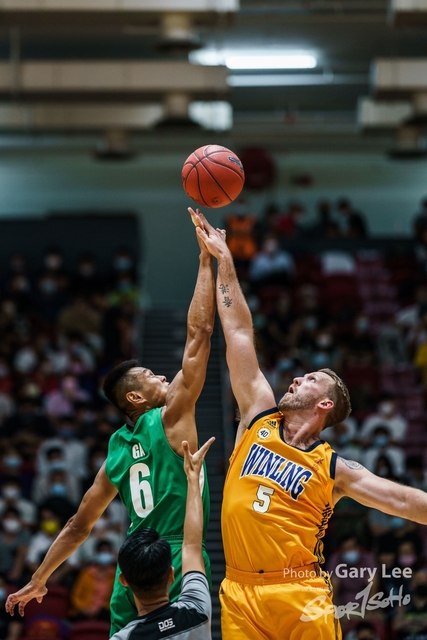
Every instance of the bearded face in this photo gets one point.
(297, 402)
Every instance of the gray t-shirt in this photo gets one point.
(189, 618)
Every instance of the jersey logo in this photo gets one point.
(166, 625)
(137, 451)
(263, 433)
(272, 423)
(264, 463)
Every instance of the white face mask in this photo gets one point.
(11, 493)
(10, 525)
(386, 408)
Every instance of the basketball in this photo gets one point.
(213, 176)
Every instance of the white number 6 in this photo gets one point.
(140, 487)
(264, 498)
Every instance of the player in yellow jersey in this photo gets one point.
(282, 485)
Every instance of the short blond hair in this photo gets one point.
(339, 393)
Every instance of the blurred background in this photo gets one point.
(101, 102)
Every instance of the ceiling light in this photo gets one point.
(270, 61)
(254, 59)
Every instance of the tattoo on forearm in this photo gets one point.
(224, 288)
(351, 464)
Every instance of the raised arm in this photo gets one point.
(75, 532)
(250, 387)
(192, 559)
(184, 390)
(354, 481)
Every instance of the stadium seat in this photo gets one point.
(90, 630)
(56, 603)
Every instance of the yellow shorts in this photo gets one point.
(297, 610)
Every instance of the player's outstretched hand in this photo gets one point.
(213, 239)
(197, 223)
(193, 461)
(24, 595)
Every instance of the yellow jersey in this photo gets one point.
(277, 499)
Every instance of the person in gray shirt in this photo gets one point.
(146, 567)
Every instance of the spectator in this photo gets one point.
(90, 597)
(124, 263)
(415, 472)
(242, 228)
(411, 620)
(49, 527)
(342, 439)
(355, 224)
(386, 415)
(382, 456)
(27, 419)
(60, 486)
(14, 540)
(79, 317)
(11, 497)
(287, 224)
(60, 403)
(272, 264)
(73, 451)
(87, 281)
(351, 555)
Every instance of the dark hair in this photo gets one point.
(12, 512)
(338, 392)
(117, 383)
(103, 543)
(145, 559)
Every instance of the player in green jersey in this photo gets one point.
(145, 459)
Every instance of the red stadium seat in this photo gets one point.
(56, 603)
(90, 630)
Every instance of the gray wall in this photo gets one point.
(33, 182)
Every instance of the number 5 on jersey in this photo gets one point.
(264, 498)
(142, 495)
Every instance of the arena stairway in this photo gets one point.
(162, 346)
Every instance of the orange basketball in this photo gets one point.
(213, 176)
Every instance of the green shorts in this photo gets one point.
(122, 603)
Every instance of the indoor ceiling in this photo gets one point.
(344, 35)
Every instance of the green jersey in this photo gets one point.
(150, 477)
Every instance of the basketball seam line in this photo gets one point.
(213, 178)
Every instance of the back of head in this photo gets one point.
(337, 392)
(145, 560)
(118, 382)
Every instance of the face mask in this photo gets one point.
(351, 556)
(105, 557)
(58, 489)
(66, 432)
(11, 493)
(381, 441)
(386, 408)
(320, 360)
(3, 594)
(25, 361)
(421, 591)
(285, 364)
(50, 527)
(123, 264)
(56, 465)
(324, 342)
(11, 525)
(362, 324)
(48, 286)
(101, 523)
(310, 323)
(407, 560)
(13, 462)
(53, 262)
(396, 522)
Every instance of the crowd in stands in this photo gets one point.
(61, 330)
(361, 311)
